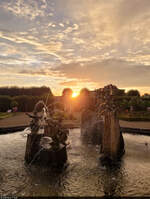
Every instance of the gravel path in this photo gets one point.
(21, 119)
(142, 125)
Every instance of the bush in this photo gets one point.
(13, 104)
(5, 102)
(135, 116)
(137, 103)
(26, 103)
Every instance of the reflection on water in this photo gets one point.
(84, 176)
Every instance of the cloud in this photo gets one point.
(129, 11)
(33, 43)
(74, 42)
(69, 83)
(26, 8)
(119, 72)
(42, 71)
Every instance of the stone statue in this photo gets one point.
(105, 123)
(51, 142)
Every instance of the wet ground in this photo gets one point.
(84, 175)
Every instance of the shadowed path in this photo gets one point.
(21, 119)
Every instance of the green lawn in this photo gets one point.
(135, 116)
(6, 115)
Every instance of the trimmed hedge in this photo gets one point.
(135, 116)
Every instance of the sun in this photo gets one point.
(74, 95)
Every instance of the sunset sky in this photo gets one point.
(75, 43)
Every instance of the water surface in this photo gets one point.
(83, 177)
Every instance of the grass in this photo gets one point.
(4, 115)
(135, 116)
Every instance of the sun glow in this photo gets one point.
(74, 94)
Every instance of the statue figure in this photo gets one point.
(52, 139)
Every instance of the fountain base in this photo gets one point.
(35, 154)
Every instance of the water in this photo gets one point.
(83, 177)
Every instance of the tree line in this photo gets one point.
(23, 98)
(31, 91)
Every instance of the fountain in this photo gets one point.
(101, 126)
(46, 144)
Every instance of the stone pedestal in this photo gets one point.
(32, 146)
(106, 133)
(112, 141)
(48, 157)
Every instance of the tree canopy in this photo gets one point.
(84, 92)
(67, 92)
(133, 93)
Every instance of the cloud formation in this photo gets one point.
(26, 8)
(73, 42)
(114, 71)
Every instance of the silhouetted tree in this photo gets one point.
(32, 91)
(146, 96)
(85, 99)
(133, 93)
(66, 99)
(67, 92)
(84, 92)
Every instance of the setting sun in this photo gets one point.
(74, 95)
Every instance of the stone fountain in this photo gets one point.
(101, 126)
(46, 144)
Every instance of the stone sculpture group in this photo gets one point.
(47, 138)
